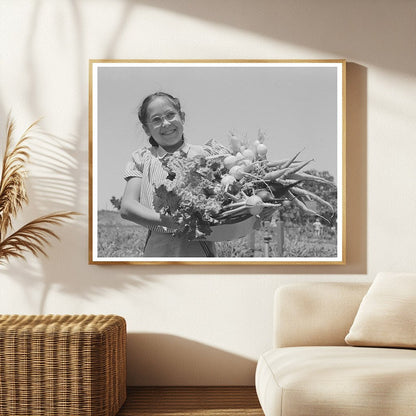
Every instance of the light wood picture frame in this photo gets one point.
(296, 106)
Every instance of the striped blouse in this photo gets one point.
(145, 163)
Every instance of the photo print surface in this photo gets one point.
(217, 162)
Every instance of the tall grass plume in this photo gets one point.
(34, 236)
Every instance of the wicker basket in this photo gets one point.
(71, 365)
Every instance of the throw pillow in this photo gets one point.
(386, 316)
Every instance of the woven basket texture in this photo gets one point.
(73, 365)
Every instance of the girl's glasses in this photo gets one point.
(157, 121)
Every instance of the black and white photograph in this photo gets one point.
(217, 162)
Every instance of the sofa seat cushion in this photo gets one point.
(342, 380)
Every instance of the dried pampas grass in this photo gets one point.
(34, 236)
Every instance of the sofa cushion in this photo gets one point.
(387, 314)
(304, 381)
(315, 313)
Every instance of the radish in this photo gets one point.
(235, 143)
(237, 172)
(254, 204)
(229, 161)
(249, 154)
(239, 156)
(227, 180)
(247, 165)
(265, 196)
(261, 149)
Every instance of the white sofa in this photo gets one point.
(311, 371)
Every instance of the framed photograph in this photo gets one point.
(217, 162)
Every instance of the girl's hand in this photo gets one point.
(168, 222)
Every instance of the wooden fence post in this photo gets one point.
(252, 242)
(280, 235)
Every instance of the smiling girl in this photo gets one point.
(163, 121)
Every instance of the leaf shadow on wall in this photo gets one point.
(163, 359)
(53, 187)
(60, 182)
(69, 191)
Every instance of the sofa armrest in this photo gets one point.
(315, 313)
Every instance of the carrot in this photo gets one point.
(290, 171)
(290, 161)
(271, 176)
(288, 182)
(234, 205)
(270, 205)
(304, 192)
(279, 163)
(304, 208)
(233, 211)
(308, 177)
(279, 190)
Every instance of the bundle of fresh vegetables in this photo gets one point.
(230, 185)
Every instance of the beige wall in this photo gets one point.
(204, 325)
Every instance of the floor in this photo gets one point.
(191, 401)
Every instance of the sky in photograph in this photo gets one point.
(295, 107)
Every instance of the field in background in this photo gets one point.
(118, 237)
(121, 238)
